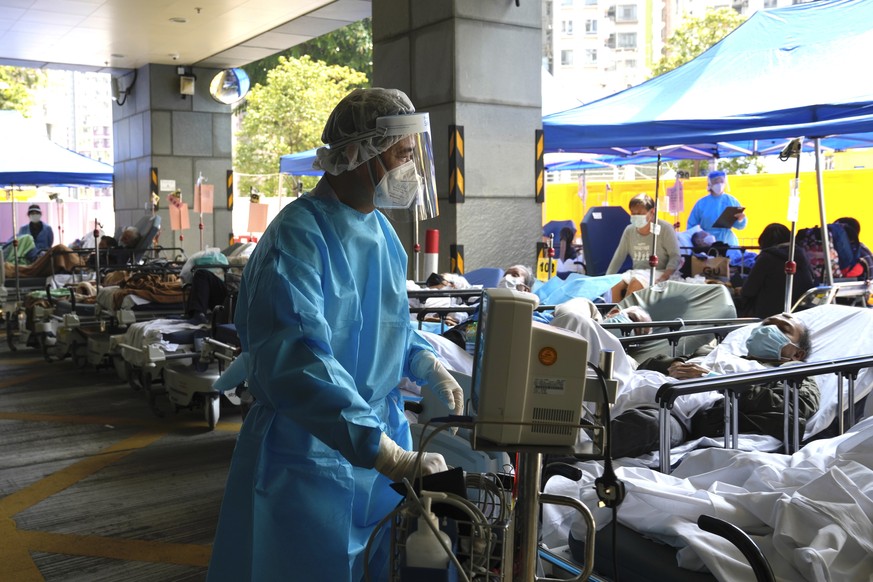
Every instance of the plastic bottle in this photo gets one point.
(423, 549)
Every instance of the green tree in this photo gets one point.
(693, 37)
(287, 114)
(17, 88)
(350, 46)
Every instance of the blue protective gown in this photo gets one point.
(323, 315)
(708, 209)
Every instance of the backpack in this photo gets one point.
(809, 239)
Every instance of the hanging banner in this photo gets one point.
(204, 194)
(676, 197)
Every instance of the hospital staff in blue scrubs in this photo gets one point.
(324, 325)
(707, 210)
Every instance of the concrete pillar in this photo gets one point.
(474, 63)
(183, 137)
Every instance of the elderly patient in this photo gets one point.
(778, 340)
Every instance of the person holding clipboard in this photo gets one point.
(719, 212)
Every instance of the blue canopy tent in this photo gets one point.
(29, 158)
(784, 73)
(299, 164)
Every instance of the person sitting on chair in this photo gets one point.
(34, 239)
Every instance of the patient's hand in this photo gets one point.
(686, 370)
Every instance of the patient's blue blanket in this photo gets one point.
(556, 290)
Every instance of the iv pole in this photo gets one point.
(653, 258)
(200, 181)
(792, 150)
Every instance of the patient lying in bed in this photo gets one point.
(778, 340)
(829, 326)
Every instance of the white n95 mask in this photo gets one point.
(639, 220)
(398, 188)
(511, 282)
(717, 188)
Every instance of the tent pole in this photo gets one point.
(653, 258)
(825, 242)
(15, 251)
(790, 265)
(416, 249)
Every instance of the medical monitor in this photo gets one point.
(525, 372)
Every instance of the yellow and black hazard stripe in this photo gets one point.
(456, 164)
(540, 168)
(154, 187)
(230, 189)
(456, 257)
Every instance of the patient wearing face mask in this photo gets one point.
(517, 277)
(646, 235)
(778, 340)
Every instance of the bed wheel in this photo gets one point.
(42, 342)
(79, 358)
(10, 332)
(132, 377)
(153, 404)
(212, 408)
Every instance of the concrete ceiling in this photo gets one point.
(114, 35)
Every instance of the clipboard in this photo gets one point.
(727, 220)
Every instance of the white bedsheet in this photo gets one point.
(146, 333)
(811, 513)
(106, 299)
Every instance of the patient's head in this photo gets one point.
(780, 338)
(633, 313)
(518, 277)
(130, 237)
(774, 234)
(702, 240)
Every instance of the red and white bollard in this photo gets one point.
(431, 252)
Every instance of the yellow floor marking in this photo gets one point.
(18, 380)
(60, 480)
(115, 548)
(157, 423)
(14, 555)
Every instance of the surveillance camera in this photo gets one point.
(175, 57)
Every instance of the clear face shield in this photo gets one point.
(407, 191)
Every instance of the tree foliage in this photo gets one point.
(695, 35)
(18, 86)
(287, 114)
(350, 46)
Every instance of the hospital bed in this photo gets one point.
(832, 358)
(678, 300)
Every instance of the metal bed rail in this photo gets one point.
(734, 384)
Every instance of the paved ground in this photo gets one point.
(94, 486)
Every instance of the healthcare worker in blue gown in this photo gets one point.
(324, 323)
(707, 210)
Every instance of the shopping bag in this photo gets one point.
(712, 267)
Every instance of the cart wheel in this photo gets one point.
(10, 333)
(212, 408)
(79, 359)
(153, 404)
(132, 377)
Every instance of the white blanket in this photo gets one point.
(811, 513)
